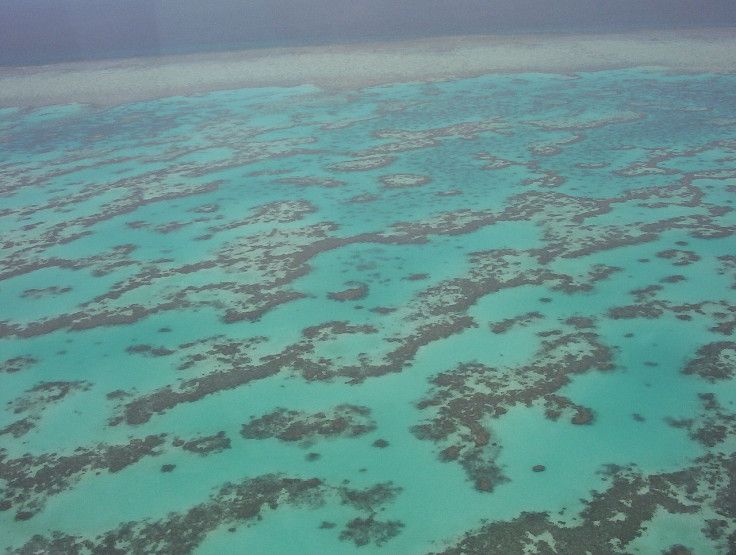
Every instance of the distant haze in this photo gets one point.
(39, 31)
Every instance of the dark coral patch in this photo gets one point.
(289, 425)
(40, 396)
(522, 319)
(183, 532)
(30, 480)
(367, 197)
(209, 444)
(582, 416)
(712, 427)
(715, 361)
(19, 427)
(362, 164)
(403, 180)
(679, 257)
(364, 531)
(463, 399)
(360, 291)
(622, 512)
(149, 350)
(52, 291)
(16, 364)
(673, 279)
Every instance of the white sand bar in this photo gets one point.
(110, 82)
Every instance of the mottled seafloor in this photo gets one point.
(487, 315)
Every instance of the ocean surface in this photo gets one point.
(49, 31)
(484, 315)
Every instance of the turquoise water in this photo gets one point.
(490, 315)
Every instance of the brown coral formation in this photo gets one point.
(36, 400)
(713, 426)
(434, 313)
(465, 400)
(715, 361)
(369, 162)
(16, 364)
(182, 532)
(679, 257)
(208, 444)
(556, 406)
(290, 425)
(233, 505)
(351, 293)
(249, 265)
(522, 319)
(30, 480)
(403, 180)
(614, 518)
(364, 531)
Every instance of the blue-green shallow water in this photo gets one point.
(293, 321)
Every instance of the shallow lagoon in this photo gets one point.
(483, 315)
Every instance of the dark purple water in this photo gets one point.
(52, 30)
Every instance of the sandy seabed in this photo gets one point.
(111, 82)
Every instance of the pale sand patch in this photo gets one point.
(111, 82)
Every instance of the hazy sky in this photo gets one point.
(39, 30)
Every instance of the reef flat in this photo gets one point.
(477, 309)
(354, 66)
